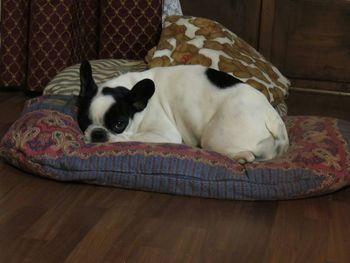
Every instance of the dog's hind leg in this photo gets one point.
(227, 140)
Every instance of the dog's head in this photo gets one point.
(106, 113)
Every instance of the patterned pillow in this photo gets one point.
(67, 82)
(47, 141)
(192, 40)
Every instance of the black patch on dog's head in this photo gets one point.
(116, 93)
(128, 102)
(88, 90)
(221, 79)
(117, 117)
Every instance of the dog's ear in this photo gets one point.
(141, 93)
(88, 86)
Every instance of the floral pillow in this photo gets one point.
(193, 40)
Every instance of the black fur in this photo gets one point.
(88, 90)
(99, 135)
(128, 102)
(117, 92)
(141, 93)
(117, 117)
(88, 87)
(221, 79)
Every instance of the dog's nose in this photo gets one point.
(99, 135)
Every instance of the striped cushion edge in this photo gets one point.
(67, 81)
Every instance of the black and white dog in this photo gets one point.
(192, 104)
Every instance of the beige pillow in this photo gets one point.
(192, 40)
(67, 82)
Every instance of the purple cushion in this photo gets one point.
(47, 141)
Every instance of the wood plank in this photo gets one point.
(339, 241)
(307, 103)
(295, 236)
(266, 27)
(322, 85)
(75, 225)
(12, 231)
(10, 179)
(46, 221)
(311, 39)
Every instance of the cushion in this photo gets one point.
(67, 82)
(47, 141)
(193, 40)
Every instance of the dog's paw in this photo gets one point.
(119, 138)
(244, 157)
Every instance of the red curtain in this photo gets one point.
(38, 38)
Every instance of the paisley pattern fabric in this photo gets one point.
(46, 141)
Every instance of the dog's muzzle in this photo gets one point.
(99, 135)
(96, 135)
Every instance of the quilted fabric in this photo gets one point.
(193, 40)
(46, 141)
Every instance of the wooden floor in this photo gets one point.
(47, 221)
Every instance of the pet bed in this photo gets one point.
(47, 141)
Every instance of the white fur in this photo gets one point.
(98, 107)
(186, 107)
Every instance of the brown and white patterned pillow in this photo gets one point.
(193, 40)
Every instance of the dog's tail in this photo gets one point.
(278, 131)
(277, 143)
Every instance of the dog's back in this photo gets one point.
(246, 127)
(202, 96)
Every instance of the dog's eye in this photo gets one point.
(119, 126)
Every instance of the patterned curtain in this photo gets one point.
(38, 38)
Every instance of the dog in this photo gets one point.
(191, 104)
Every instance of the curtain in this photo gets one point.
(38, 38)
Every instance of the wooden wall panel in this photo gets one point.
(311, 41)
(241, 17)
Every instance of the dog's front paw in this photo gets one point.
(119, 138)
